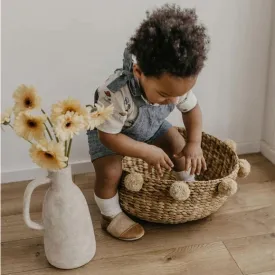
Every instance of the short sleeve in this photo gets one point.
(116, 122)
(187, 102)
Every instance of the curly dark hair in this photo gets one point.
(170, 40)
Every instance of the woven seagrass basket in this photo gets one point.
(166, 200)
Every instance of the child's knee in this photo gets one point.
(110, 175)
(174, 142)
(109, 170)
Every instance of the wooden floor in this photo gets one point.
(239, 239)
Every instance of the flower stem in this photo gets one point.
(24, 138)
(48, 131)
(50, 123)
(69, 149)
(66, 147)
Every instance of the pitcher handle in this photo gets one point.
(27, 201)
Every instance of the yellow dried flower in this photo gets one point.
(49, 155)
(26, 98)
(30, 127)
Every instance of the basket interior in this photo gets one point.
(220, 159)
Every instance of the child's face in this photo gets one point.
(165, 89)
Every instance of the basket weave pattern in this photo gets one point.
(153, 202)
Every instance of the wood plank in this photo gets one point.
(253, 254)
(158, 237)
(12, 202)
(12, 188)
(272, 272)
(23, 255)
(14, 206)
(12, 194)
(14, 228)
(250, 212)
(86, 179)
(250, 196)
(253, 158)
(212, 229)
(261, 170)
(209, 259)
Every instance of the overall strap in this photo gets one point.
(126, 76)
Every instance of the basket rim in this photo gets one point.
(231, 176)
(215, 181)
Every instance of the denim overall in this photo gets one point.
(150, 123)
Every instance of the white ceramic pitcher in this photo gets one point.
(69, 239)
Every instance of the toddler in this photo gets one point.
(161, 64)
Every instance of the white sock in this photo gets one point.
(108, 207)
(184, 176)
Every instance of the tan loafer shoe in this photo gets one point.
(122, 227)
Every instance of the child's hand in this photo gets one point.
(193, 158)
(158, 159)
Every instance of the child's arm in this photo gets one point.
(126, 146)
(193, 124)
(192, 151)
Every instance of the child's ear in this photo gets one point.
(137, 71)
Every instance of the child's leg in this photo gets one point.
(172, 142)
(108, 173)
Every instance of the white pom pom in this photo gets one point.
(179, 190)
(134, 182)
(245, 168)
(232, 144)
(228, 187)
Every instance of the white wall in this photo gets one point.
(67, 48)
(268, 143)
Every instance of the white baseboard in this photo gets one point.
(248, 147)
(85, 166)
(268, 152)
(78, 167)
